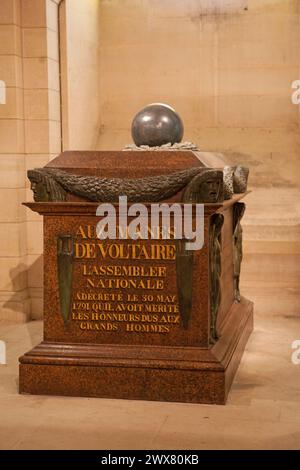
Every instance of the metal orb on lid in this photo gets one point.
(156, 124)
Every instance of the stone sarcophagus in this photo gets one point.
(138, 317)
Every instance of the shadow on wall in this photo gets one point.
(26, 301)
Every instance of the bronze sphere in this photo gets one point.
(155, 125)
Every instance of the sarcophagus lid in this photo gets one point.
(150, 176)
(126, 164)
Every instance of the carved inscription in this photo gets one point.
(123, 285)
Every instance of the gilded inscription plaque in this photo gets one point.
(122, 286)
(121, 290)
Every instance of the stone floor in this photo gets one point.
(263, 409)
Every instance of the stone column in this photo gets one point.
(42, 119)
(14, 297)
(29, 137)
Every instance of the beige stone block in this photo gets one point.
(278, 6)
(10, 40)
(286, 213)
(82, 127)
(257, 28)
(35, 237)
(257, 111)
(109, 9)
(10, 12)
(36, 292)
(30, 215)
(35, 72)
(14, 312)
(11, 136)
(265, 53)
(270, 246)
(33, 13)
(121, 27)
(53, 75)
(37, 308)
(111, 117)
(12, 171)
(266, 237)
(111, 139)
(54, 137)
(13, 108)
(195, 10)
(149, 69)
(54, 105)
(40, 42)
(52, 15)
(181, 32)
(35, 271)
(36, 104)
(197, 112)
(37, 136)
(115, 26)
(35, 42)
(257, 81)
(52, 45)
(11, 209)
(13, 274)
(271, 268)
(36, 160)
(166, 9)
(12, 239)
(11, 70)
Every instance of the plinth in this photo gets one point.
(137, 319)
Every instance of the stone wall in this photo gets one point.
(227, 67)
